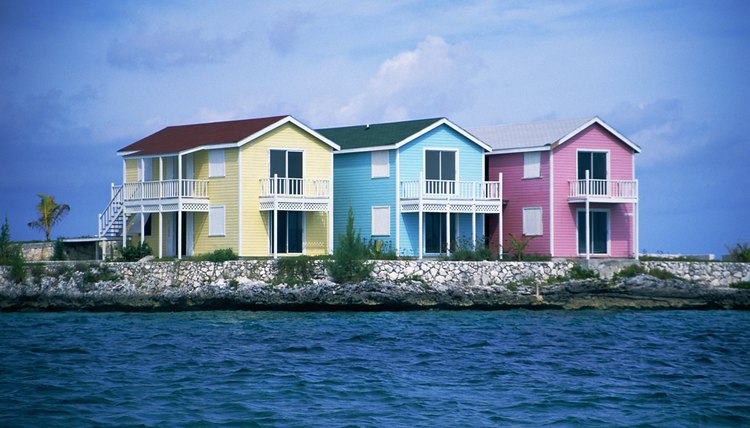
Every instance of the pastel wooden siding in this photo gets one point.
(316, 163)
(411, 162)
(222, 191)
(355, 188)
(520, 193)
(131, 170)
(620, 161)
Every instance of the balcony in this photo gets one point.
(165, 195)
(451, 196)
(295, 194)
(603, 191)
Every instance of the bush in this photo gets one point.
(294, 270)
(465, 252)
(577, 272)
(742, 285)
(740, 253)
(379, 250)
(58, 251)
(11, 256)
(662, 274)
(133, 253)
(348, 263)
(518, 246)
(628, 272)
(217, 256)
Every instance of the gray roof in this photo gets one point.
(527, 135)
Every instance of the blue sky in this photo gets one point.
(81, 79)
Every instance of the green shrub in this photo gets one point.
(742, 285)
(217, 256)
(133, 253)
(740, 253)
(628, 272)
(294, 270)
(11, 255)
(58, 251)
(349, 261)
(465, 252)
(577, 272)
(380, 250)
(662, 274)
(518, 246)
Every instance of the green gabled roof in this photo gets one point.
(380, 134)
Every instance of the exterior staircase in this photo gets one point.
(111, 219)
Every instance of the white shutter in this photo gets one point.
(380, 165)
(216, 163)
(532, 167)
(381, 221)
(216, 220)
(532, 221)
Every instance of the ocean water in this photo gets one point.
(423, 368)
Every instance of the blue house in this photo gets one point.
(418, 185)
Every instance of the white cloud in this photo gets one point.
(432, 80)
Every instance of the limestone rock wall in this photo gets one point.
(716, 274)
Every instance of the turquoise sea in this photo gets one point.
(422, 368)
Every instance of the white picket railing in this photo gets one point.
(450, 189)
(295, 187)
(613, 189)
(149, 190)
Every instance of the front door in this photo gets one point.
(598, 232)
(290, 232)
(435, 241)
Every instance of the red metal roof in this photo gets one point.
(175, 139)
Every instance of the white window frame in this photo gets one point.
(533, 229)
(532, 169)
(381, 231)
(380, 164)
(216, 163)
(214, 211)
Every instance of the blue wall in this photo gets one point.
(353, 187)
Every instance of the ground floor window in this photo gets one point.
(598, 231)
(435, 234)
(290, 232)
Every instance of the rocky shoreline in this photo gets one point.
(76, 293)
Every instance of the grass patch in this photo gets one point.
(628, 272)
(577, 272)
(217, 256)
(465, 252)
(742, 285)
(662, 274)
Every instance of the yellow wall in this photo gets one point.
(221, 191)
(131, 170)
(317, 162)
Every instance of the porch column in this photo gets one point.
(635, 231)
(588, 225)
(143, 227)
(179, 206)
(420, 213)
(447, 229)
(474, 227)
(124, 228)
(500, 216)
(161, 234)
(275, 230)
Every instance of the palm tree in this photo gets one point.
(50, 213)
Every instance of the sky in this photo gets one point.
(81, 79)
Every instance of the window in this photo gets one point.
(380, 165)
(593, 162)
(532, 167)
(381, 221)
(216, 220)
(216, 163)
(440, 171)
(532, 221)
(286, 168)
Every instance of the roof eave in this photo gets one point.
(604, 125)
(444, 121)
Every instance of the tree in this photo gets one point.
(50, 213)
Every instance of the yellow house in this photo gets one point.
(262, 187)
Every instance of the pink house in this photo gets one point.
(566, 183)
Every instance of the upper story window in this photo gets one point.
(380, 164)
(594, 162)
(145, 169)
(440, 171)
(532, 164)
(216, 163)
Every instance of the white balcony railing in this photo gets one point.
(603, 189)
(450, 189)
(295, 187)
(166, 189)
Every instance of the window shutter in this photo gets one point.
(380, 164)
(532, 167)
(532, 221)
(381, 221)
(216, 163)
(216, 221)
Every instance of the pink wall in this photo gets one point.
(520, 193)
(620, 168)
